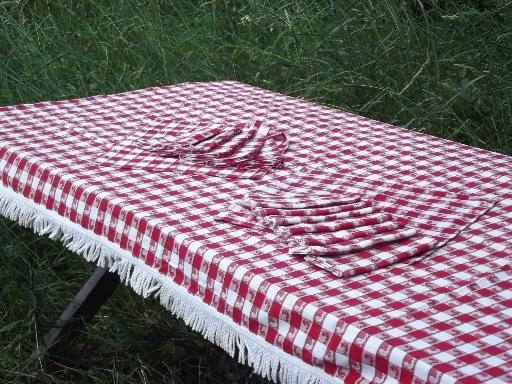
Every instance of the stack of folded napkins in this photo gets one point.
(213, 148)
(330, 225)
(222, 145)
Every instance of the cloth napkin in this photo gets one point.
(236, 150)
(351, 234)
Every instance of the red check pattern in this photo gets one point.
(444, 319)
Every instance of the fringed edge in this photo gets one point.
(266, 360)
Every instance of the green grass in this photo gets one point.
(441, 67)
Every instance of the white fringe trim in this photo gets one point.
(266, 360)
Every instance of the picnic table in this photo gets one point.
(441, 318)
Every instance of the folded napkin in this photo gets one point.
(350, 234)
(238, 150)
(438, 216)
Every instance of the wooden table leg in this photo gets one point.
(93, 294)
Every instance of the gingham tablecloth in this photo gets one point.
(446, 318)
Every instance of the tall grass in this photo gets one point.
(441, 67)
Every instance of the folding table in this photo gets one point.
(444, 318)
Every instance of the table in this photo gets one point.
(444, 319)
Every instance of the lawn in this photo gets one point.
(440, 67)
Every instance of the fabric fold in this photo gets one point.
(249, 151)
(302, 202)
(354, 245)
(381, 256)
(332, 210)
(173, 140)
(324, 227)
(207, 146)
(274, 221)
(255, 138)
(345, 235)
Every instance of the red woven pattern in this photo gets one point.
(378, 326)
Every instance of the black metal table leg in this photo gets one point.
(93, 294)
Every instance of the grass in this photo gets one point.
(441, 67)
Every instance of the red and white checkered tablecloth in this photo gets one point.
(446, 318)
